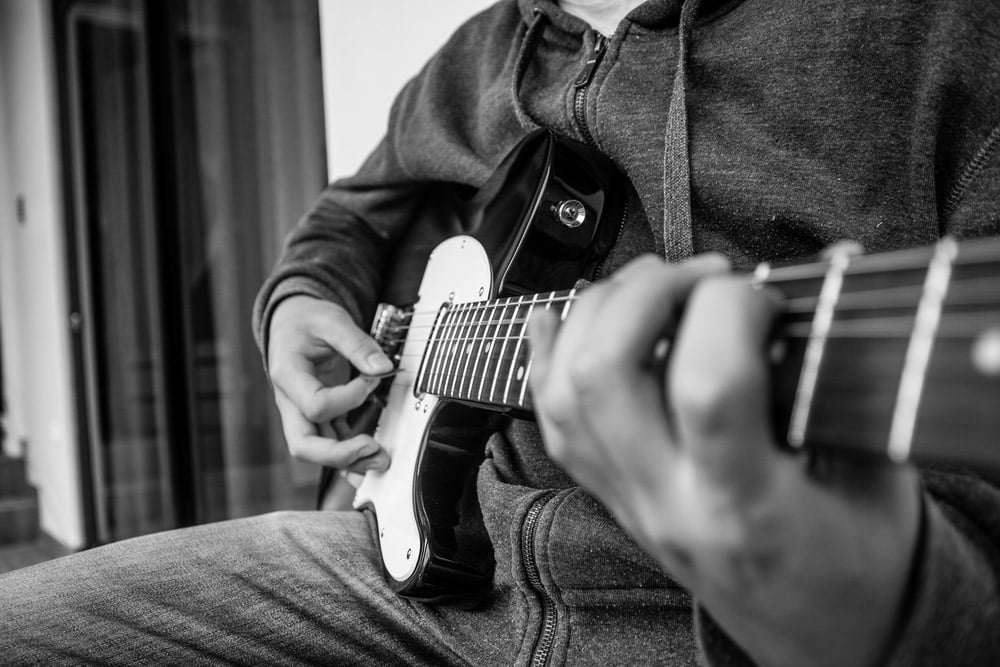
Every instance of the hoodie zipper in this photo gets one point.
(582, 84)
(547, 634)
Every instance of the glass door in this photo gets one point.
(195, 132)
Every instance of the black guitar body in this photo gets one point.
(547, 217)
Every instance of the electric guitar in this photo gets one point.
(895, 356)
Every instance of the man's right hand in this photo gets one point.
(312, 346)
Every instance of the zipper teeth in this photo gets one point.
(545, 641)
(579, 110)
(540, 653)
(583, 84)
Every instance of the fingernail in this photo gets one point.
(708, 260)
(378, 363)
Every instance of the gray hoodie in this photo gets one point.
(770, 130)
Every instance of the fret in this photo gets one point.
(919, 351)
(480, 368)
(459, 347)
(503, 349)
(531, 357)
(491, 339)
(514, 367)
(425, 376)
(822, 320)
(468, 343)
(570, 297)
(440, 351)
(475, 335)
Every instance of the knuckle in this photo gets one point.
(705, 400)
(314, 409)
(360, 346)
(349, 453)
(297, 449)
(590, 376)
(277, 370)
(556, 403)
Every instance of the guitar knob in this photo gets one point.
(570, 213)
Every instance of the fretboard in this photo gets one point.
(895, 354)
(479, 351)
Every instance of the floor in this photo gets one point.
(16, 556)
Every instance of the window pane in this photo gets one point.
(174, 236)
(250, 100)
(119, 264)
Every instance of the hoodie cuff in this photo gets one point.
(954, 605)
(715, 646)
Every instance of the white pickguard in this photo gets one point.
(459, 271)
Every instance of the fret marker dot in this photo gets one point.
(520, 373)
(986, 352)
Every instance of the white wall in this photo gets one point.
(37, 359)
(370, 49)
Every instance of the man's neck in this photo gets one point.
(602, 15)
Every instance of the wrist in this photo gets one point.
(831, 589)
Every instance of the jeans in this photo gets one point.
(307, 587)
(281, 589)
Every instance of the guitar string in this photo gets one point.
(488, 366)
(479, 331)
(899, 330)
(972, 323)
(963, 326)
(981, 293)
(885, 327)
(899, 334)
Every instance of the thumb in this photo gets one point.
(339, 331)
(306, 328)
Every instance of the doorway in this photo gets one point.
(193, 131)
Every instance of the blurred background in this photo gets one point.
(153, 154)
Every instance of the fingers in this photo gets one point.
(613, 327)
(310, 328)
(305, 442)
(599, 401)
(312, 346)
(315, 398)
(719, 385)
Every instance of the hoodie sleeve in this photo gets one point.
(338, 250)
(449, 125)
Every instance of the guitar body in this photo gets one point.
(546, 218)
(886, 357)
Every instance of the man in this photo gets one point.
(757, 131)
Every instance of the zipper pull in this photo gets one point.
(600, 45)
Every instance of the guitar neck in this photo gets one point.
(479, 351)
(896, 355)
